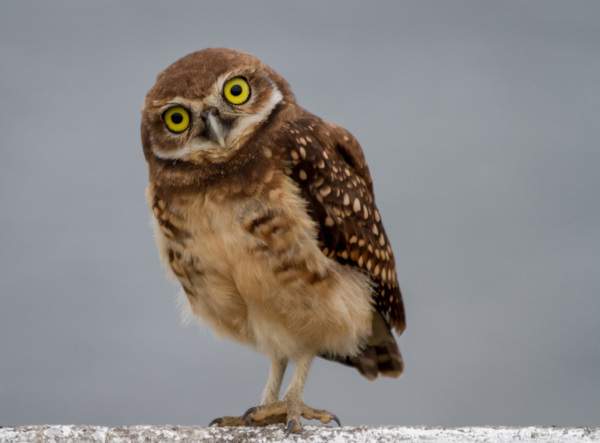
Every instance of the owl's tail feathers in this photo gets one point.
(374, 360)
(379, 356)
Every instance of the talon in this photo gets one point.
(248, 412)
(335, 419)
(216, 421)
(290, 426)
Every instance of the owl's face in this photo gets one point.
(205, 106)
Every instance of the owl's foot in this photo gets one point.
(288, 412)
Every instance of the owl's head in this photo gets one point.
(207, 105)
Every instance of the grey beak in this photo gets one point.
(214, 125)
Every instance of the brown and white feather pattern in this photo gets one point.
(329, 166)
(274, 237)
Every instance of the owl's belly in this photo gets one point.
(252, 270)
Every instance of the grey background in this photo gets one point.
(481, 125)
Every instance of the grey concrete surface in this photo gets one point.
(359, 434)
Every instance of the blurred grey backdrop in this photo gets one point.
(481, 125)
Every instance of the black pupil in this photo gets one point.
(236, 90)
(177, 118)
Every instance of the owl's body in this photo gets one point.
(265, 214)
(252, 269)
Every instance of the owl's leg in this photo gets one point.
(292, 407)
(270, 395)
(271, 392)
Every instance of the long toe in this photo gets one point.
(288, 413)
(268, 414)
(319, 414)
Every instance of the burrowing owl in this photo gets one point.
(265, 214)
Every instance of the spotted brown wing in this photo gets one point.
(329, 165)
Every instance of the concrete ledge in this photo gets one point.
(98, 434)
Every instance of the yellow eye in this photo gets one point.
(177, 119)
(237, 91)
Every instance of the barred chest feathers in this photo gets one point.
(251, 268)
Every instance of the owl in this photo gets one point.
(266, 216)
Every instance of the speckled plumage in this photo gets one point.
(266, 216)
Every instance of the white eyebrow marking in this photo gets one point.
(236, 135)
(248, 123)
